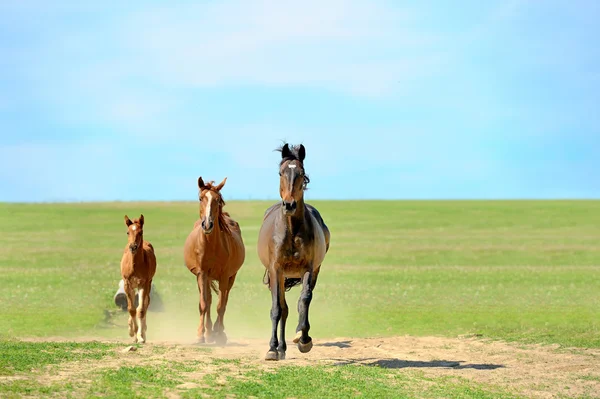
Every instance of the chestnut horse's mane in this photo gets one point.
(225, 221)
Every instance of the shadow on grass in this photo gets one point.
(400, 364)
(339, 344)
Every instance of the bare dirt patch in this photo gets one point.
(530, 370)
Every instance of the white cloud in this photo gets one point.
(351, 46)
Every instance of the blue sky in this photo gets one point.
(392, 99)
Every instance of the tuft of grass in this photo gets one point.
(19, 357)
(340, 382)
(133, 382)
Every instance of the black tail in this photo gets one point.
(288, 283)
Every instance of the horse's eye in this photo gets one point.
(127, 233)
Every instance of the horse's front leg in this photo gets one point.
(282, 348)
(224, 290)
(204, 304)
(276, 286)
(304, 341)
(130, 293)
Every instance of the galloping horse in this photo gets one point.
(213, 251)
(292, 244)
(138, 266)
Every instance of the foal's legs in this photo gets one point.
(130, 293)
(204, 304)
(142, 310)
(304, 341)
(277, 292)
(224, 290)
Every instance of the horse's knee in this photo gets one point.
(284, 311)
(305, 297)
(276, 312)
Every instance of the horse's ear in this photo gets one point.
(220, 186)
(285, 151)
(200, 183)
(301, 153)
(128, 221)
(141, 220)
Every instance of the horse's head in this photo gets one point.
(211, 203)
(135, 233)
(292, 178)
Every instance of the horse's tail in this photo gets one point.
(213, 285)
(288, 283)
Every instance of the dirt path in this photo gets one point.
(530, 370)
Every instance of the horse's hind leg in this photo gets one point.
(142, 310)
(302, 338)
(129, 292)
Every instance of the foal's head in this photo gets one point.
(292, 178)
(211, 203)
(135, 233)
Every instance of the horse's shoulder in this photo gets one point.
(148, 246)
(233, 225)
(317, 216)
(270, 210)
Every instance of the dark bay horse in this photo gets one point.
(292, 244)
(138, 266)
(213, 252)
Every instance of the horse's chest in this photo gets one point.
(295, 252)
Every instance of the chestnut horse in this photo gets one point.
(213, 252)
(138, 266)
(292, 244)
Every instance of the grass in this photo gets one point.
(339, 382)
(516, 270)
(526, 271)
(19, 357)
(133, 382)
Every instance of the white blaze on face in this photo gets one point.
(292, 166)
(133, 227)
(209, 196)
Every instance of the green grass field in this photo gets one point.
(524, 271)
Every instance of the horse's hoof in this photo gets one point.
(272, 355)
(221, 338)
(297, 337)
(304, 348)
(141, 340)
(200, 340)
(281, 355)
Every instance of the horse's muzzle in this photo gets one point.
(207, 226)
(290, 207)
